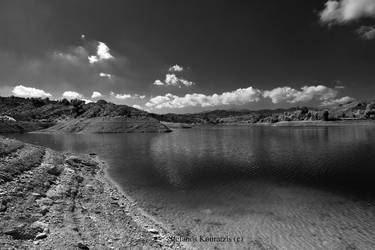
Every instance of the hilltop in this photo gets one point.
(32, 114)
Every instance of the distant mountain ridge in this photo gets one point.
(355, 110)
(31, 114)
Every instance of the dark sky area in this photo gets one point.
(251, 54)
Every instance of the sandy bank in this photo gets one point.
(50, 200)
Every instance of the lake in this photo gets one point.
(262, 187)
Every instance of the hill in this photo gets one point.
(34, 114)
(354, 110)
(73, 116)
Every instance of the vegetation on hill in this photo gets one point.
(354, 110)
(73, 116)
(103, 117)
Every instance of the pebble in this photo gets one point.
(40, 236)
(153, 231)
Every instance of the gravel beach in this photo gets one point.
(51, 200)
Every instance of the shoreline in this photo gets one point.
(66, 200)
(308, 123)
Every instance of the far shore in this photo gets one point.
(308, 123)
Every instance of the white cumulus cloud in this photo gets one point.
(72, 95)
(102, 53)
(120, 96)
(236, 97)
(175, 68)
(106, 75)
(22, 91)
(158, 83)
(341, 100)
(96, 94)
(126, 96)
(343, 11)
(305, 94)
(173, 80)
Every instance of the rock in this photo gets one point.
(3, 206)
(45, 201)
(14, 230)
(153, 231)
(19, 232)
(54, 169)
(44, 210)
(40, 236)
(39, 225)
(36, 195)
(82, 246)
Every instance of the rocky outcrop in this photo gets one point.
(50, 200)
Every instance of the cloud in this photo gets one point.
(22, 91)
(140, 96)
(173, 80)
(96, 94)
(307, 93)
(86, 101)
(175, 68)
(339, 87)
(341, 100)
(366, 32)
(102, 53)
(137, 107)
(158, 83)
(120, 96)
(344, 11)
(126, 96)
(109, 76)
(247, 95)
(72, 95)
(236, 97)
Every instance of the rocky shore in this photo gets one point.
(51, 200)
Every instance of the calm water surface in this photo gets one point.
(207, 180)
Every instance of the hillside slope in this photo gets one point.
(104, 124)
(73, 116)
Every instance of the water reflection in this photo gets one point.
(205, 156)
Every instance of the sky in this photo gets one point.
(189, 56)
